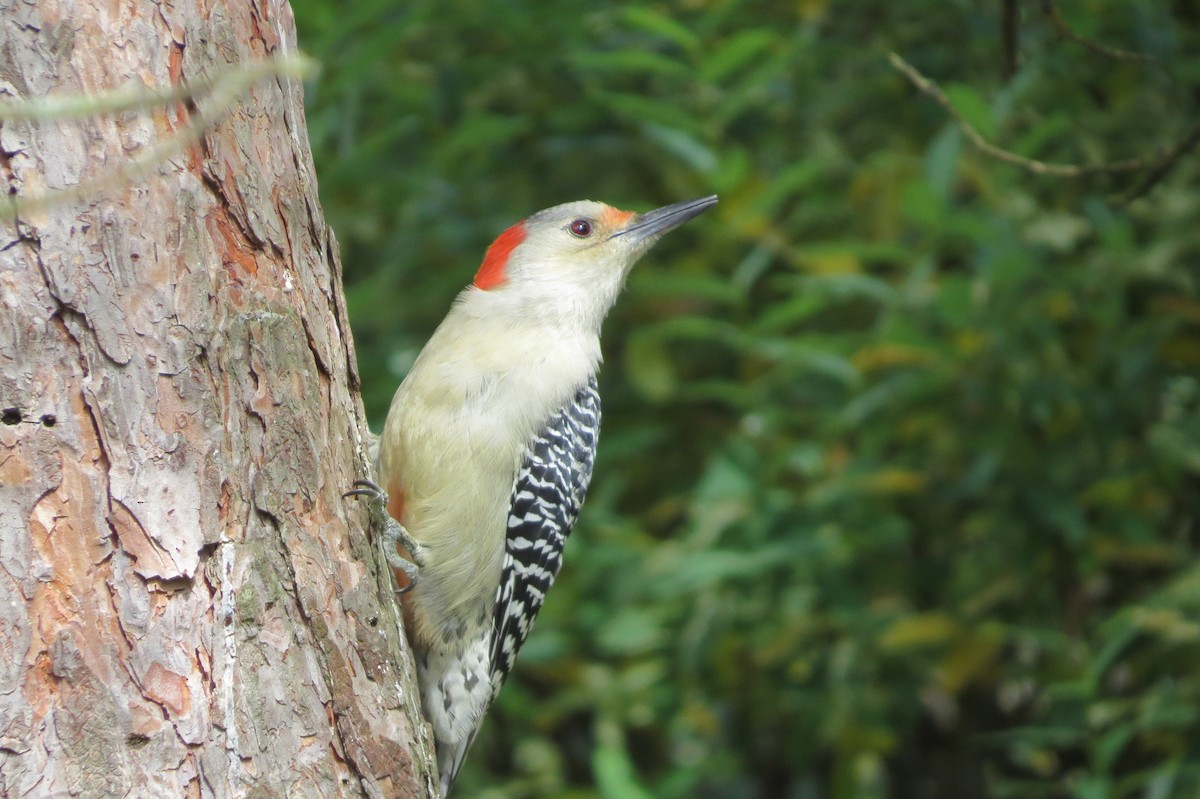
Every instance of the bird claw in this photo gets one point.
(393, 534)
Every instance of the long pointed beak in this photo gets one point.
(652, 224)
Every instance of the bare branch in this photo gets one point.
(1067, 32)
(1167, 163)
(1158, 164)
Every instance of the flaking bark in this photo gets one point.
(187, 605)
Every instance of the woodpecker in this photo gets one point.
(487, 450)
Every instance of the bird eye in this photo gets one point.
(580, 228)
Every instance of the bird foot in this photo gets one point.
(394, 534)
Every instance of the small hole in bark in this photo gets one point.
(136, 740)
(373, 621)
(10, 416)
(49, 419)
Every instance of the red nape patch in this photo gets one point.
(491, 271)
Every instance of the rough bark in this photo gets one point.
(187, 605)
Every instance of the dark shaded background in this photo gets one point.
(898, 486)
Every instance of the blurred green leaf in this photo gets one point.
(636, 62)
(650, 368)
(615, 774)
(972, 107)
(654, 22)
(918, 630)
(686, 147)
(735, 52)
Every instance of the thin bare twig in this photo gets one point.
(1167, 163)
(1158, 164)
(131, 97)
(218, 93)
(1067, 32)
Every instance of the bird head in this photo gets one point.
(572, 260)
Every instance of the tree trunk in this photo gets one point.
(187, 605)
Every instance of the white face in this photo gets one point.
(576, 243)
(570, 261)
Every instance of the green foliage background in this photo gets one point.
(898, 488)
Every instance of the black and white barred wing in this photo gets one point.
(546, 498)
